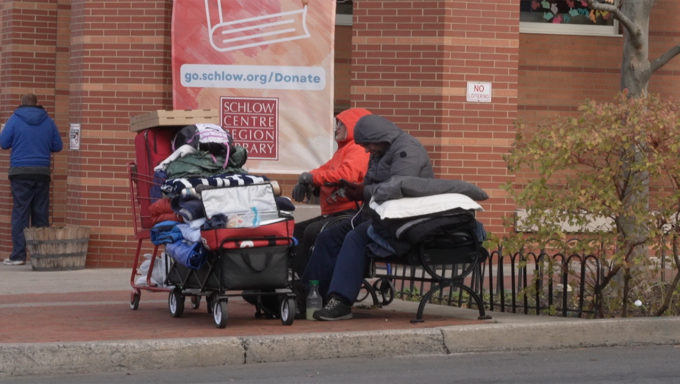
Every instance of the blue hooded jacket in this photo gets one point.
(32, 135)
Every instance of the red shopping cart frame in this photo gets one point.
(140, 199)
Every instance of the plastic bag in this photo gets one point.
(249, 220)
(158, 274)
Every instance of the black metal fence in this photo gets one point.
(529, 283)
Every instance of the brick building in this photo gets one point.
(97, 63)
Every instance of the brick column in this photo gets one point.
(32, 60)
(120, 67)
(411, 64)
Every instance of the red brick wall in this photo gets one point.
(32, 60)
(411, 64)
(120, 67)
(343, 67)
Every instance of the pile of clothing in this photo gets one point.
(204, 157)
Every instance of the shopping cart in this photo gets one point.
(140, 187)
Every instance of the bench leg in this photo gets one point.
(477, 299)
(423, 302)
(433, 290)
(374, 296)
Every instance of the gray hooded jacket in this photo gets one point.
(404, 157)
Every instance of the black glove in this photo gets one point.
(305, 178)
(299, 192)
(354, 191)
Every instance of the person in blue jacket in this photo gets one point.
(32, 136)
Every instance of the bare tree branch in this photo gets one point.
(665, 58)
(634, 32)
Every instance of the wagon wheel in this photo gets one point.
(176, 303)
(220, 313)
(287, 312)
(195, 302)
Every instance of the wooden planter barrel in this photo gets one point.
(57, 248)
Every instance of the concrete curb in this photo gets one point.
(561, 335)
(93, 357)
(268, 349)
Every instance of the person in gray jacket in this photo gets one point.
(339, 260)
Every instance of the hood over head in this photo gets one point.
(350, 117)
(31, 114)
(375, 129)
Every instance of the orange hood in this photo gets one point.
(350, 118)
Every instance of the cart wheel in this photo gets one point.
(176, 303)
(288, 307)
(220, 313)
(195, 302)
(134, 300)
(385, 290)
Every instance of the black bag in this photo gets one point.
(258, 268)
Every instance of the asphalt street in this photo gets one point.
(656, 364)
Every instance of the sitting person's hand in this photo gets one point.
(300, 192)
(305, 178)
(354, 191)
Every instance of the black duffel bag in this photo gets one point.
(257, 268)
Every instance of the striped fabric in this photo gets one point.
(175, 186)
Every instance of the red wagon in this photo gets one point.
(252, 259)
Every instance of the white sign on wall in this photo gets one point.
(478, 92)
(74, 137)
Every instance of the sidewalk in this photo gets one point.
(80, 321)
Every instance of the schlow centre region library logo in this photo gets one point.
(253, 123)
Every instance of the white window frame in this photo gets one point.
(574, 29)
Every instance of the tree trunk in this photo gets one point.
(635, 67)
(635, 75)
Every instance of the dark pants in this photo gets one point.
(31, 203)
(306, 233)
(339, 260)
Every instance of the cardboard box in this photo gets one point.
(174, 118)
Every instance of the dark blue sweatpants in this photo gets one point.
(31, 206)
(339, 260)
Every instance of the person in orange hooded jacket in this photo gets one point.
(350, 163)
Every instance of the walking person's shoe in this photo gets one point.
(7, 261)
(334, 310)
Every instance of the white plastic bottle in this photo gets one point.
(313, 299)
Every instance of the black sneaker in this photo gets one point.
(334, 310)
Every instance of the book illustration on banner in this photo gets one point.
(230, 35)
